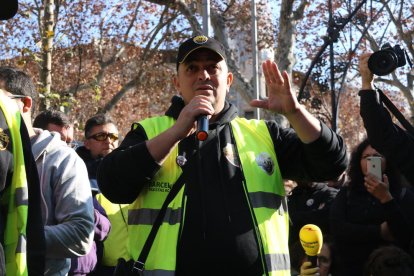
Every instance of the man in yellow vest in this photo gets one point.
(230, 218)
(66, 207)
(22, 245)
(20, 196)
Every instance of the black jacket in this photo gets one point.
(310, 204)
(356, 218)
(84, 264)
(218, 235)
(91, 163)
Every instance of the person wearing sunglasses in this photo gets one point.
(101, 138)
(66, 200)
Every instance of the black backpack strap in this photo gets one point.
(139, 264)
(394, 110)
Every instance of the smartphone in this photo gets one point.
(374, 166)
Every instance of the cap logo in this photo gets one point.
(200, 39)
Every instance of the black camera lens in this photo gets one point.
(383, 62)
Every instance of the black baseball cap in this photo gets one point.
(8, 9)
(198, 42)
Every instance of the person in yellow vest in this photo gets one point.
(230, 217)
(22, 245)
(66, 206)
(20, 197)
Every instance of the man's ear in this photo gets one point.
(229, 80)
(176, 83)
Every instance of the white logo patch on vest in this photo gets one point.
(266, 163)
(309, 202)
(4, 140)
(228, 152)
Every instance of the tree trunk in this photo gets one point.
(47, 48)
(286, 39)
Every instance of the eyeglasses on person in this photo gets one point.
(102, 136)
(13, 97)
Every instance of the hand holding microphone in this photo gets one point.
(311, 239)
(202, 122)
(197, 113)
(306, 269)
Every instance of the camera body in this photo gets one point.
(386, 60)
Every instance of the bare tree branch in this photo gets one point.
(147, 52)
(299, 12)
(104, 64)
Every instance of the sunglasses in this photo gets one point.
(102, 136)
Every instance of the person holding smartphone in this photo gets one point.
(369, 212)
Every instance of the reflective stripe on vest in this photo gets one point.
(264, 190)
(16, 197)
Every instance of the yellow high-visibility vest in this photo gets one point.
(15, 197)
(115, 245)
(264, 192)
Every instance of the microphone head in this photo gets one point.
(311, 239)
(202, 136)
(8, 9)
(202, 128)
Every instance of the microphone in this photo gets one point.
(202, 127)
(311, 238)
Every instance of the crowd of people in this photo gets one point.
(370, 220)
(164, 202)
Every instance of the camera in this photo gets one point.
(386, 60)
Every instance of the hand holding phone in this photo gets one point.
(374, 166)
